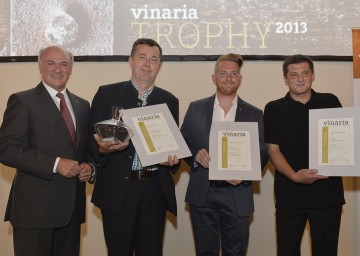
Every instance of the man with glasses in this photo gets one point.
(301, 194)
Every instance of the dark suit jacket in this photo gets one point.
(112, 178)
(196, 131)
(32, 135)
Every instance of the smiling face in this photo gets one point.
(227, 78)
(55, 65)
(145, 65)
(299, 79)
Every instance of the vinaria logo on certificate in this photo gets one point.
(156, 134)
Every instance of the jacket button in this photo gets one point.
(130, 157)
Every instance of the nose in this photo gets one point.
(228, 76)
(57, 68)
(301, 77)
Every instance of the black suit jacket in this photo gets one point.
(112, 178)
(196, 130)
(32, 135)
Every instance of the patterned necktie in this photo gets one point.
(67, 117)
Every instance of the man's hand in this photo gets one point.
(307, 176)
(171, 161)
(107, 147)
(86, 172)
(202, 157)
(234, 182)
(68, 168)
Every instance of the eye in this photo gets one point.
(306, 73)
(155, 60)
(64, 64)
(293, 75)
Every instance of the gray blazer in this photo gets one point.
(196, 131)
(32, 135)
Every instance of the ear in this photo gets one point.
(213, 78)
(285, 80)
(130, 61)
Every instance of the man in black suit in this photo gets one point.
(47, 200)
(133, 200)
(219, 210)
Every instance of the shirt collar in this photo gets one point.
(234, 102)
(52, 91)
(145, 93)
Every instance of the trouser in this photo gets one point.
(324, 230)
(48, 241)
(218, 222)
(139, 225)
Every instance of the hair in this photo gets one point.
(43, 50)
(296, 59)
(230, 57)
(147, 41)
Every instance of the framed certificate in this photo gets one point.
(234, 151)
(334, 141)
(156, 134)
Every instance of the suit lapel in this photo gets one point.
(208, 113)
(49, 107)
(238, 115)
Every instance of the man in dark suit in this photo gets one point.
(47, 200)
(219, 210)
(133, 200)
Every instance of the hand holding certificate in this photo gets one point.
(156, 134)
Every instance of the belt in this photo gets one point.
(219, 183)
(143, 175)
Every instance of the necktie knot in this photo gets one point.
(60, 95)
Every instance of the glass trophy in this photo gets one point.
(114, 129)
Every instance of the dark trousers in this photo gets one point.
(48, 241)
(218, 221)
(139, 225)
(324, 230)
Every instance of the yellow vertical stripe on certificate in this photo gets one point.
(147, 136)
(224, 152)
(325, 144)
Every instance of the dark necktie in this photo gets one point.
(64, 110)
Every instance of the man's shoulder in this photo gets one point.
(165, 93)
(203, 101)
(249, 106)
(325, 95)
(123, 85)
(275, 103)
(27, 94)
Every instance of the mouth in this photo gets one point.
(57, 76)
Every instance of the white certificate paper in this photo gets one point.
(334, 141)
(156, 134)
(234, 151)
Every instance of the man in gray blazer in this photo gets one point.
(47, 200)
(219, 210)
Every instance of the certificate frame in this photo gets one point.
(334, 141)
(156, 134)
(251, 170)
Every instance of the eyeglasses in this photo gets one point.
(304, 74)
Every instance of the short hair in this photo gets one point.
(230, 57)
(43, 50)
(296, 59)
(147, 41)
